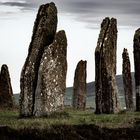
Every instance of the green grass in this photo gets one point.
(68, 117)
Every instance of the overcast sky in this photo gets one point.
(80, 19)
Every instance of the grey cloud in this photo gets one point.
(18, 4)
(84, 4)
(126, 11)
(91, 11)
(23, 3)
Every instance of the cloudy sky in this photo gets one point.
(79, 18)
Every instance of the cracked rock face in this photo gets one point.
(79, 86)
(6, 92)
(105, 68)
(127, 80)
(51, 85)
(136, 48)
(43, 35)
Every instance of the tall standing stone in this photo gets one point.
(6, 92)
(127, 80)
(79, 86)
(43, 35)
(51, 86)
(105, 68)
(136, 48)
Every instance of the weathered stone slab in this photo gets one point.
(127, 80)
(105, 68)
(51, 86)
(79, 86)
(136, 48)
(43, 35)
(6, 92)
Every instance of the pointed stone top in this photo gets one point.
(60, 37)
(45, 24)
(125, 53)
(136, 40)
(5, 86)
(4, 66)
(105, 22)
(51, 4)
(4, 69)
(137, 33)
(61, 32)
(108, 20)
(125, 50)
(138, 30)
(108, 28)
(47, 9)
(82, 61)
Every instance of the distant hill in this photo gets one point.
(91, 86)
(91, 92)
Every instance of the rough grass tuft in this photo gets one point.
(69, 117)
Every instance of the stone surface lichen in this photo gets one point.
(52, 77)
(127, 80)
(43, 35)
(136, 48)
(6, 92)
(105, 68)
(79, 86)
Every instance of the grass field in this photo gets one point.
(11, 119)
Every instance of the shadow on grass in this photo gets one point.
(70, 132)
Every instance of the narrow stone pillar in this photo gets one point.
(80, 86)
(136, 47)
(51, 85)
(6, 92)
(105, 68)
(127, 80)
(43, 35)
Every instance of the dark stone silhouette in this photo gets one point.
(105, 68)
(6, 92)
(51, 86)
(136, 48)
(43, 35)
(127, 80)
(79, 86)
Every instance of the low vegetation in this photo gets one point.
(11, 119)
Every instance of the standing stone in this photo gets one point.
(6, 92)
(43, 35)
(127, 81)
(79, 86)
(105, 68)
(136, 48)
(51, 85)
